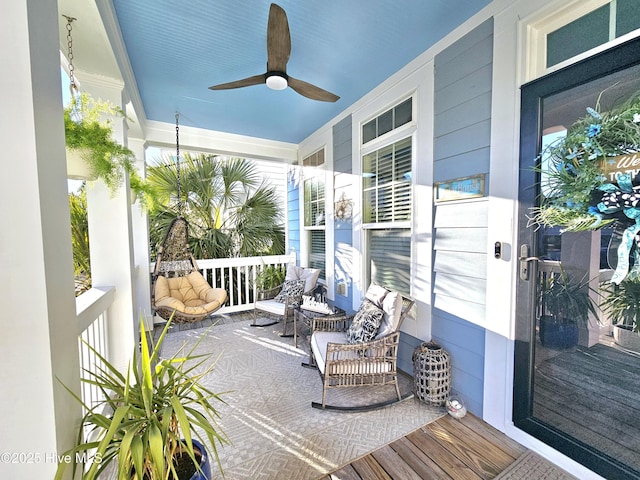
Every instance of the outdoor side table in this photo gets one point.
(307, 317)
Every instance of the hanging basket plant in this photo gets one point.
(89, 136)
(593, 179)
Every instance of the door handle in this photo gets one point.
(524, 262)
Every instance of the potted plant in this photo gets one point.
(92, 153)
(149, 417)
(622, 303)
(566, 304)
(271, 276)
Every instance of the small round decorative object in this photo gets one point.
(455, 407)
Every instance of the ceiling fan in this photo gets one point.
(278, 51)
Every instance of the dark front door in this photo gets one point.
(575, 389)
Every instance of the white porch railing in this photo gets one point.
(237, 276)
(91, 311)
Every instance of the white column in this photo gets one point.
(39, 339)
(141, 242)
(111, 236)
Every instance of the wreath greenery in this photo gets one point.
(576, 178)
(582, 193)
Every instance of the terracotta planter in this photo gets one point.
(626, 338)
(77, 167)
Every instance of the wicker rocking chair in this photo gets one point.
(364, 364)
(278, 303)
(179, 289)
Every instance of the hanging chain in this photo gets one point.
(72, 79)
(178, 163)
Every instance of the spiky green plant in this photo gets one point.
(622, 302)
(148, 414)
(270, 276)
(567, 299)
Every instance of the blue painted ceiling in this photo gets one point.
(178, 49)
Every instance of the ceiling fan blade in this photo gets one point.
(311, 91)
(245, 82)
(278, 40)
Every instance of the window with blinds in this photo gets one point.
(386, 183)
(317, 253)
(314, 160)
(314, 221)
(314, 202)
(390, 258)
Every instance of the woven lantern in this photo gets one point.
(432, 373)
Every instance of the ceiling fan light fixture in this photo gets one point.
(277, 80)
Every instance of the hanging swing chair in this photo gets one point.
(179, 289)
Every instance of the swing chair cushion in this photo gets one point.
(190, 294)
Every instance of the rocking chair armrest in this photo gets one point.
(381, 348)
(338, 323)
(269, 293)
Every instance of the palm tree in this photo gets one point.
(230, 211)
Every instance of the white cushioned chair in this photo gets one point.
(280, 302)
(360, 350)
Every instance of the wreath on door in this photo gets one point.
(591, 179)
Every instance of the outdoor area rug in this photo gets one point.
(531, 466)
(273, 430)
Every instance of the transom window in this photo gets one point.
(596, 28)
(393, 118)
(575, 31)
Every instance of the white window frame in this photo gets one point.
(310, 173)
(557, 15)
(405, 131)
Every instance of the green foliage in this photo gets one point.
(155, 411)
(567, 299)
(80, 240)
(575, 173)
(270, 276)
(622, 302)
(87, 125)
(230, 211)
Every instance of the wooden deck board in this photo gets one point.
(419, 461)
(447, 449)
(368, 468)
(483, 457)
(454, 467)
(394, 464)
(345, 473)
(493, 435)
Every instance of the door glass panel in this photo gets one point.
(585, 380)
